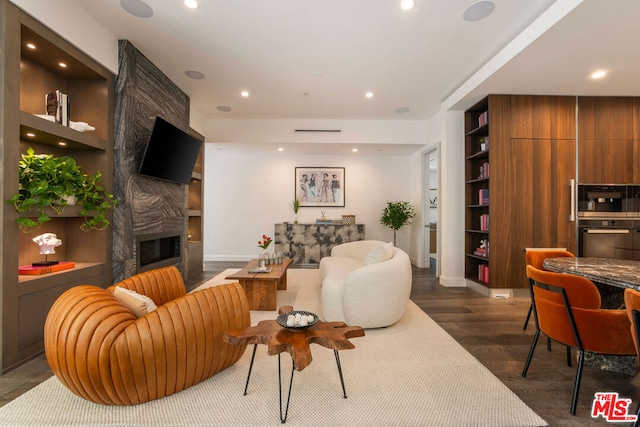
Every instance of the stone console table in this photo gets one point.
(308, 243)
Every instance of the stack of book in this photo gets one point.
(483, 249)
(483, 273)
(57, 105)
(483, 196)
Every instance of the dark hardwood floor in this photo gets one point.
(489, 328)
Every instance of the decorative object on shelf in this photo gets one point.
(47, 242)
(348, 219)
(78, 126)
(396, 215)
(295, 206)
(320, 186)
(46, 181)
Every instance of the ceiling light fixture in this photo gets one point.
(31, 134)
(478, 10)
(62, 64)
(280, 149)
(191, 4)
(598, 74)
(407, 4)
(223, 108)
(355, 150)
(62, 143)
(244, 93)
(369, 94)
(402, 110)
(31, 45)
(137, 8)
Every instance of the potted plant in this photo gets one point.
(46, 181)
(295, 205)
(396, 215)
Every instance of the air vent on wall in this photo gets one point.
(319, 130)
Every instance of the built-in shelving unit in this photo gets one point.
(195, 248)
(31, 54)
(477, 187)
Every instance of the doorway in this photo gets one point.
(430, 215)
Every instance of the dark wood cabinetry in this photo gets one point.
(532, 156)
(609, 139)
(28, 73)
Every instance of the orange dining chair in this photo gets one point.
(632, 304)
(536, 257)
(567, 309)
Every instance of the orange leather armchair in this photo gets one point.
(567, 309)
(102, 352)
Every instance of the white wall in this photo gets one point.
(245, 195)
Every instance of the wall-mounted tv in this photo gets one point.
(170, 153)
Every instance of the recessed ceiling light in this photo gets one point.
(280, 149)
(244, 93)
(478, 10)
(31, 45)
(369, 94)
(355, 150)
(223, 108)
(598, 74)
(191, 4)
(402, 110)
(62, 64)
(318, 74)
(193, 74)
(31, 134)
(62, 143)
(137, 8)
(407, 4)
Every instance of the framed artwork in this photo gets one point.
(320, 186)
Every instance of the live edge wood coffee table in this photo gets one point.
(296, 342)
(261, 288)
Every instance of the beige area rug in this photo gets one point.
(410, 374)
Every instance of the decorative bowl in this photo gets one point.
(282, 319)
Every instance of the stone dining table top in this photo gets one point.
(614, 272)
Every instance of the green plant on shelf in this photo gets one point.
(46, 181)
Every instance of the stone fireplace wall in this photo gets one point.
(145, 205)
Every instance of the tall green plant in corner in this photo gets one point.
(396, 215)
(46, 181)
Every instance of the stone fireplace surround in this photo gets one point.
(146, 206)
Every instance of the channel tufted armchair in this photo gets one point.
(104, 353)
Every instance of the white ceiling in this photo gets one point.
(336, 50)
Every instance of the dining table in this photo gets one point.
(611, 277)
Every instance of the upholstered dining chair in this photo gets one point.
(536, 257)
(567, 309)
(632, 305)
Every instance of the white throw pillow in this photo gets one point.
(379, 253)
(138, 304)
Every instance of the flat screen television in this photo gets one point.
(170, 154)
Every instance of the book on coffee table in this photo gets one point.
(261, 270)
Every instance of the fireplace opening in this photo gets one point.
(158, 250)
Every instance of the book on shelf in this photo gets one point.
(38, 270)
(484, 222)
(483, 273)
(483, 196)
(57, 105)
(484, 170)
(483, 118)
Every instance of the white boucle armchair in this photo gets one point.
(360, 289)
